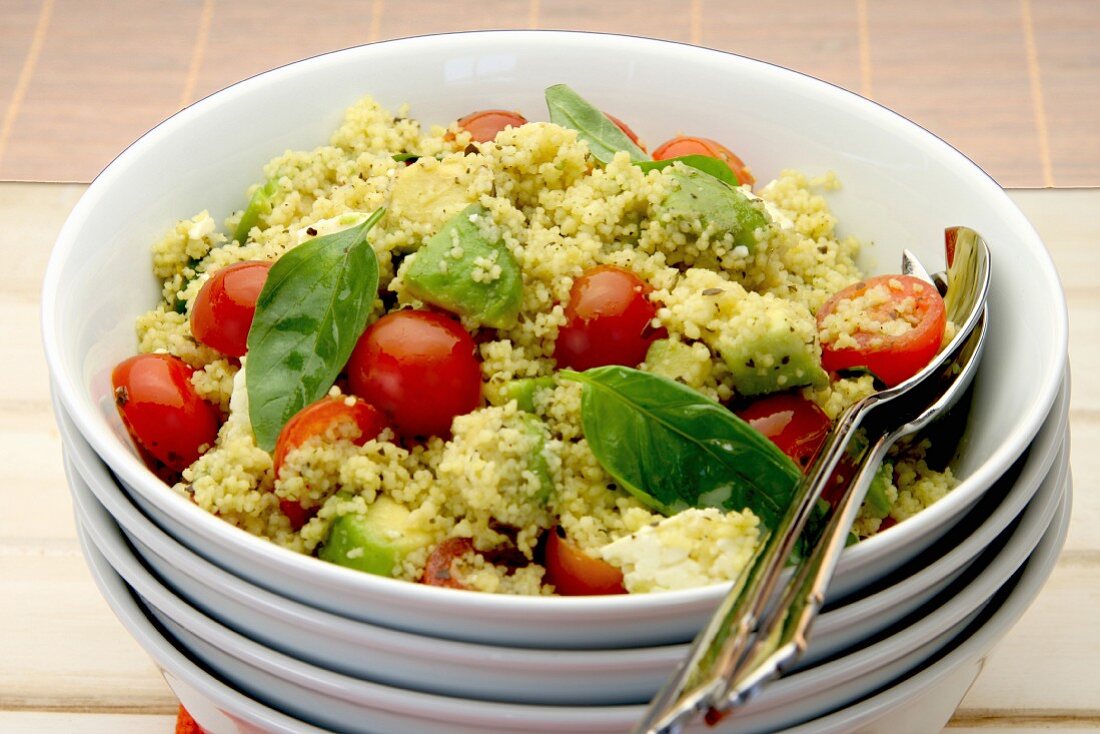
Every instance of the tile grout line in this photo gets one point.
(197, 53)
(1038, 108)
(376, 9)
(533, 14)
(30, 61)
(696, 21)
(864, 49)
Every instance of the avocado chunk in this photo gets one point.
(536, 460)
(467, 269)
(426, 196)
(675, 360)
(877, 503)
(375, 542)
(770, 345)
(523, 391)
(702, 203)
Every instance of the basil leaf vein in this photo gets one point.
(673, 448)
(312, 310)
(604, 138)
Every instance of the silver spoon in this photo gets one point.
(715, 673)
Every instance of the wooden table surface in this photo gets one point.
(66, 664)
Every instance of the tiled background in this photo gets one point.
(1015, 84)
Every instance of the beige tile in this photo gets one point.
(959, 69)
(820, 39)
(107, 72)
(1068, 54)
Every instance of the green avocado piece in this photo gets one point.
(771, 346)
(701, 203)
(536, 462)
(467, 269)
(375, 542)
(877, 502)
(677, 361)
(523, 391)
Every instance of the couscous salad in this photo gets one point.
(519, 357)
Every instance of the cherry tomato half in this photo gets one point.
(626, 129)
(688, 145)
(575, 573)
(609, 319)
(222, 313)
(164, 414)
(793, 423)
(439, 569)
(892, 358)
(185, 724)
(484, 125)
(345, 416)
(419, 368)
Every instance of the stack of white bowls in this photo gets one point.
(251, 635)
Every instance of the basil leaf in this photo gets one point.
(673, 448)
(259, 204)
(604, 138)
(715, 167)
(311, 311)
(406, 157)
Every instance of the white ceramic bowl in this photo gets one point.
(901, 187)
(348, 705)
(515, 674)
(921, 702)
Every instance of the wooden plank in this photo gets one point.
(49, 722)
(959, 69)
(397, 19)
(62, 647)
(658, 20)
(19, 22)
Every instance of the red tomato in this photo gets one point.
(891, 358)
(363, 422)
(484, 125)
(185, 724)
(419, 368)
(439, 570)
(575, 573)
(162, 411)
(687, 145)
(793, 423)
(222, 313)
(626, 129)
(608, 320)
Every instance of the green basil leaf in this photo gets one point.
(311, 311)
(604, 138)
(713, 166)
(674, 448)
(406, 157)
(259, 205)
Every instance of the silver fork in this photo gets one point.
(747, 642)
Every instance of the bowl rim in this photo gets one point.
(270, 555)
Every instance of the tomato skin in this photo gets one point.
(484, 125)
(223, 310)
(894, 358)
(438, 571)
(687, 145)
(317, 419)
(163, 412)
(575, 573)
(419, 368)
(626, 129)
(608, 320)
(793, 423)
